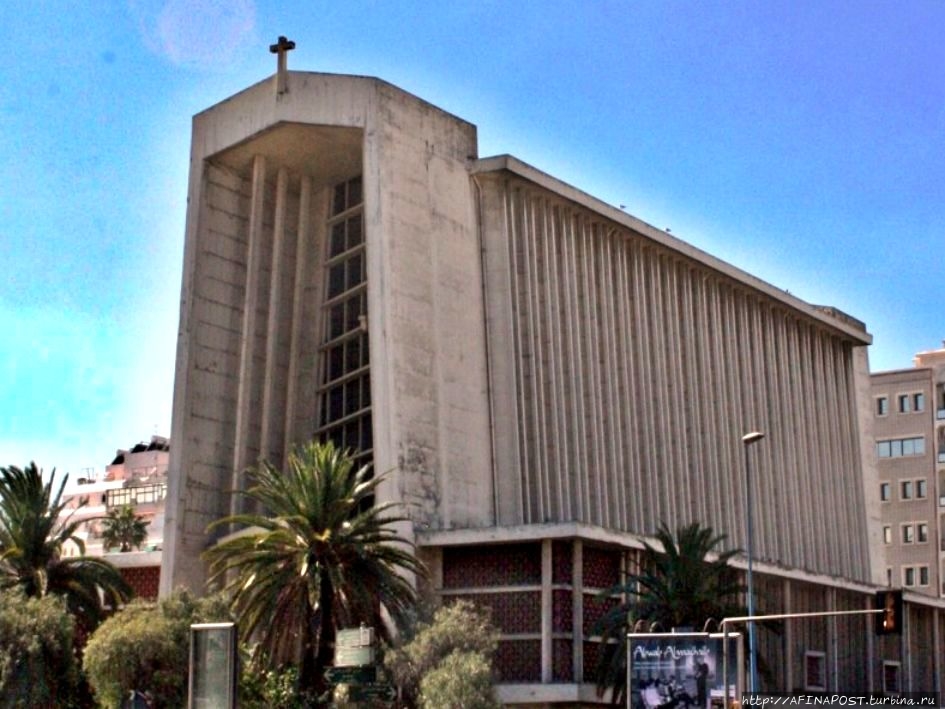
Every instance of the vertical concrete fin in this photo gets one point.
(276, 281)
(298, 301)
(247, 337)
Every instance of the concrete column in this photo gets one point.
(276, 281)
(788, 638)
(303, 238)
(248, 335)
(577, 610)
(547, 617)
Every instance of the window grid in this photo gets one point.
(901, 447)
(344, 409)
(139, 495)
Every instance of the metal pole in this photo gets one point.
(725, 704)
(752, 678)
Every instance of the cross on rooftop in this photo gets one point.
(282, 48)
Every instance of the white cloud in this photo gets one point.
(199, 33)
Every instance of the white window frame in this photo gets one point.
(905, 576)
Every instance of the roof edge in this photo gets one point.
(827, 315)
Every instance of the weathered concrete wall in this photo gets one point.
(625, 372)
(429, 377)
(262, 167)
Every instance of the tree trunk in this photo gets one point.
(320, 657)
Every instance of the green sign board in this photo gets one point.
(375, 690)
(351, 675)
(348, 656)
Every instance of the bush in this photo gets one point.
(264, 688)
(37, 659)
(146, 647)
(463, 680)
(459, 638)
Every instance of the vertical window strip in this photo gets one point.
(344, 413)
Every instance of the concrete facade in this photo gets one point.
(909, 434)
(549, 378)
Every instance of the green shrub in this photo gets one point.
(146, 647)
(37, 659)
(263, 688)
(462, 680)
(458, 635)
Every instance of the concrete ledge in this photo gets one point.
(560, 693)
(133, 559)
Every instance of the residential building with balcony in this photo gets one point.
(136, 477)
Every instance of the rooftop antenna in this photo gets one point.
(282, 49)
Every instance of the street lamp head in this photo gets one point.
(752, 437)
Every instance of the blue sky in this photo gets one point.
(801, 141)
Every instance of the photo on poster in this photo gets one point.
(681, 670)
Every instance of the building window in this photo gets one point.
(345, 391)
(921, 489)
(905, 403)
(815, 671)
(922, 532)
(891, 677)
(885, 492)
(900, 447)
(882, 406)
(908, 533)
(918, 402)
(905, 490)
(923, 575)
(908, 576)
(888, 576)
(887, 534)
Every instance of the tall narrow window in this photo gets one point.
(882, 406)
(345, 391)
(904, 404)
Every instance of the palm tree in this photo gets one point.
(684, 583)
(124, 529)
(33, 532)
(321, 557)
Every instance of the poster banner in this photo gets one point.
(681, 670)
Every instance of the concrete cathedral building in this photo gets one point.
(547, 377)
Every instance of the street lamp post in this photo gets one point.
(747, 440)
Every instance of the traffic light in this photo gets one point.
(889, 622)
